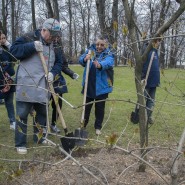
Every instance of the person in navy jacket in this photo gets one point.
(6, 73)
(32, 82)
(60, 87)
(153, 80)
(100, 81)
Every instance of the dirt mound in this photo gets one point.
(101, 166)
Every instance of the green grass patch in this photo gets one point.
(168, 115)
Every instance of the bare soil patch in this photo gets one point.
(107, 166)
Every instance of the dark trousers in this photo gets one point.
(99, 112)
(149, 94)
(23, 109)
(54, 111)
(10, 106)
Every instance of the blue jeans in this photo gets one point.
(10, 107)
(22, 110)
(149, 94)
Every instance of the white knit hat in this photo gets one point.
(53, 26)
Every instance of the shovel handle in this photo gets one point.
(53, 92)
(85, 89)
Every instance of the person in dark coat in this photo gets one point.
(100, 81)
(60, 88)
(7, 88)
(32, 82)
(153, 79)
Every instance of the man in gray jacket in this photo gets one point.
(32, 83)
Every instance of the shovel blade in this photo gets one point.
(68, 143)
(81, 134)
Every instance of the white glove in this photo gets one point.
(50, 77)
(143, 82)
(75, 76)
(7, 44)
(38, 46)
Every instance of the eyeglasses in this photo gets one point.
(102, 45)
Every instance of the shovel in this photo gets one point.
(68, 142)
(81, 133)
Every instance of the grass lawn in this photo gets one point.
(168, 114)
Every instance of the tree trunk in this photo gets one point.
(13, 20)
(75, 39)
(4, 16)
(88, 23)
(56, 10)
(70, 30)
(83, 27)
(163, 12)
(100, 6)
(162, 56)
(139, 88)
(151, 19)
(49, 8)
(33, 14)
(1, 27)
(174, 171)
(105, 29)
(114, 37)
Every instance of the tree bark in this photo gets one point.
(56, 10)
(4, 16)
(106, 30)
(70, 30)
(174, 171)
(49, 8)
(100, 6)
(13, 20)
(33, 14)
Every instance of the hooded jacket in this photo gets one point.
(154, 74)
(100, 81)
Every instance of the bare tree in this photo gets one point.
(100, 5)
(69, 4)
(4, 15)
(12, 19)
(33, 14)
(165, 4)
(49, 8)
(108, 28)
(56, 10)
(176, 159)
(139, 63)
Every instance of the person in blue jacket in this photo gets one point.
(100, 81)
(7, 88)
(32, 82)
(153, 80)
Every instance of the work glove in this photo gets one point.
(75, 76)
(7, 44)
(143, 82)
(49, 77)
(38, 46)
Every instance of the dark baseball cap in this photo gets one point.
(53, 26)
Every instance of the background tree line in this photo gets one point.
(82, 20)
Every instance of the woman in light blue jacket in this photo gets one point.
(100, 81)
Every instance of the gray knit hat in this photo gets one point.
(53, 26)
